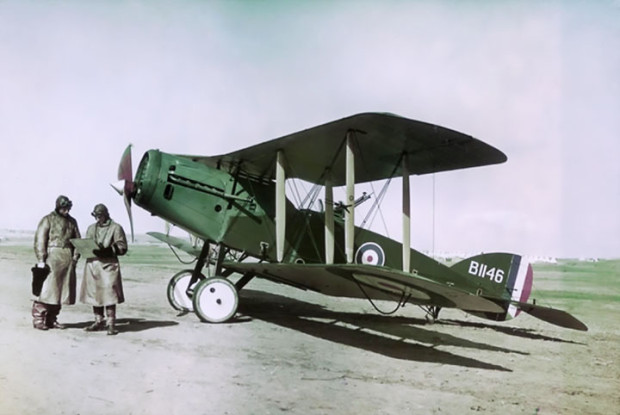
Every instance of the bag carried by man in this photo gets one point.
(38, 277)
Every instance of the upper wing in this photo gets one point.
(359, 281)
(381, 140)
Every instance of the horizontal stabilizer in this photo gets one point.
(553, 316)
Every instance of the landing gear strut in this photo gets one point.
(182, 284)
(432, 313)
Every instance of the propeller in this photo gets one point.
(125, 186)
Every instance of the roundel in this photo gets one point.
(370, 253)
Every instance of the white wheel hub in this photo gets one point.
(215, 300)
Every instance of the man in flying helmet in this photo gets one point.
(102, 286)
(54, 252)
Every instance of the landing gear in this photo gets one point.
(180, 290)
(215, 300)
(432, 313)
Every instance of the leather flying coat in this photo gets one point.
(102, 284)
(52, 245)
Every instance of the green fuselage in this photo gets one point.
(239, 212)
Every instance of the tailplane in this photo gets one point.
(553, 316)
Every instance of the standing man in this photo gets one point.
(52, 247)
(102, 285)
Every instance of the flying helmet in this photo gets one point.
(100, 210)
(63, 202)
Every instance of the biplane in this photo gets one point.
(236, 204)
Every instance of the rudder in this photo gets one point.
(500, 276)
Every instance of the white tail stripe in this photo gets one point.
(518, 287)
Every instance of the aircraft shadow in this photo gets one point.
(507, 330)
(390, 336)
(127, 325)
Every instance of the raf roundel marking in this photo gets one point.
(370, 253)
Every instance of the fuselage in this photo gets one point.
(239, 212)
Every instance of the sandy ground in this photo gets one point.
(290, 351)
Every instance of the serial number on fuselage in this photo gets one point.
(484, 271)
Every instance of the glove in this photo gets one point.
(104, 252)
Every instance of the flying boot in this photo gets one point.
(99, 323)
(39, 315)
(111, 315)
(52, 314)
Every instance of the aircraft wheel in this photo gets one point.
(215, 300)
(177, 287)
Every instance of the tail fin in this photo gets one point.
(502, 276)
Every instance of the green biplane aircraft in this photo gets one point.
(237, 202)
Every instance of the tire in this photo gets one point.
(177, 286)
(215, 300)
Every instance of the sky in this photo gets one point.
(540, 80)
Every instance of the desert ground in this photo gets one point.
(291, 351)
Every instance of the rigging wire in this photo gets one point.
(311, 196)
(293, 187)
(309, 199)
(376, 207)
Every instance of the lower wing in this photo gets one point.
(367, 281)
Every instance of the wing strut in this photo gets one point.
(349, 213)
(280, 206)
(406, 216)
(329, 220)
